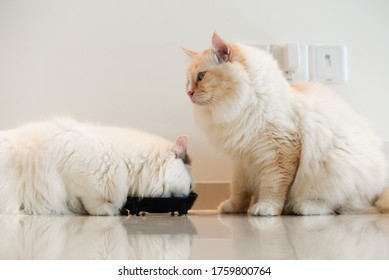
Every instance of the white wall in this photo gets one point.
(119, 62)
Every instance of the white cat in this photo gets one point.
(65, 167)
(295, 148)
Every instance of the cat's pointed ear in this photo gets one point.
(180, 146)
(222, 50)
(189, 53)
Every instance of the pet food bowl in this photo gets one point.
(135, 205)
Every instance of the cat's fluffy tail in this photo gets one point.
(382, 203)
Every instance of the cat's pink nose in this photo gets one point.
(190, 93)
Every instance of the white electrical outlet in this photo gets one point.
(292, 59)
(328, 63)
(300, 62)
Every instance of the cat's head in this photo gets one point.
(178, 173)
(218, 80)
(216, 75)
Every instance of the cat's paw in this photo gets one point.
(105, 209)
(264, 208)
(312, 208)
(228, 206)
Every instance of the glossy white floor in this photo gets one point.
(200, 235)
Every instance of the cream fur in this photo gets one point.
(65, 167)
(296, 149)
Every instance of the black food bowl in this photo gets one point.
(135, 205)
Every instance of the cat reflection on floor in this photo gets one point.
(82, 237)
(220, 237)
(339, 237)
(306, 238)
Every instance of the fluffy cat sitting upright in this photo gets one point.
(66, 167)
(295, 148)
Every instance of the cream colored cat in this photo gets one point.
(67, 167)
(295, 148)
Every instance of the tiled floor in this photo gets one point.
(200, 235)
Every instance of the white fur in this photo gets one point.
(64, 167)
(342, 160)
(342, 167)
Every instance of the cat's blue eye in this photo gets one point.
(201, 75)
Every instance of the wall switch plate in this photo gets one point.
(328, 63)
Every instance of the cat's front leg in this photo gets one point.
(275, 176)
(270, 197)
(240, 197)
